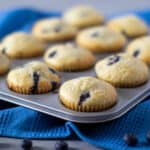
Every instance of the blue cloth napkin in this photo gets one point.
(17, 121)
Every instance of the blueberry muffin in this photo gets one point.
(53, 30)
(101, 40)
(122, 70)
(21, 45)
(33, 78)
(140, 48)
(129, 25)
(5, 63)
(83, 16)
(87, 94)
(69, 57)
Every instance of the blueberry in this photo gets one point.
(27, 144)
(61, 145)
(54, 85)
(83, 97)
(113, 59)
(124, 32)
(95, 34)
(52, 54)
(45, 30)
(136, 53)
(130, 139)
(148, 136)
(3, 50)
(52, 70)
(58, 28)
(36, 77)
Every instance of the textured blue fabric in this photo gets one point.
(16, 121)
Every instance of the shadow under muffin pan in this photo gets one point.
(49, 103)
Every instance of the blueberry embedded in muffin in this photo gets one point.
(36, 77)
(140, 48)
(69, 57)
(136, 53)
(129, 25)
(33, 78)
(122, 70)
(113, 59)
(53, 30)
(83, 97)
(101, 40)
(21, 45)
(83, 17)
(52, 54)
(87, 94)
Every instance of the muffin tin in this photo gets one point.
(49, 103)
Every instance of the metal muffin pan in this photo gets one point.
(49, 103)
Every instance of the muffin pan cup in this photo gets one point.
(49, 103)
